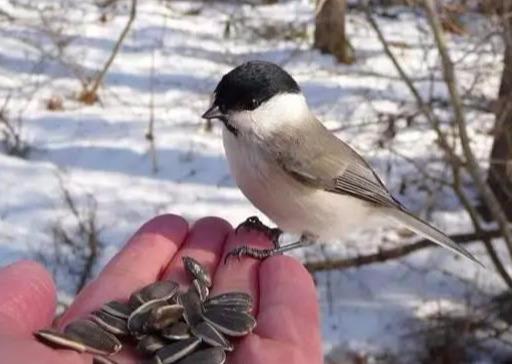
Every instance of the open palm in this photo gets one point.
(286, 307)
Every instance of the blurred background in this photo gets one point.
(100, 130)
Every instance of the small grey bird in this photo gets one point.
(294, 170)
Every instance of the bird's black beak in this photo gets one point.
(213, 113)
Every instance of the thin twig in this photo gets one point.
(150, 132)
(473, 215)
(384, 255)
(83, 241)
(454, 160)
(460, 119)
(97, 81)
(425, 109)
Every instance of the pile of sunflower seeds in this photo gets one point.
(164, 324)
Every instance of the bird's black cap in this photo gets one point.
(252, 83)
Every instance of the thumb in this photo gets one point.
(27, 298)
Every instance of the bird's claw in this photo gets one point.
(245, 251)
(232, 253)
(254, 223)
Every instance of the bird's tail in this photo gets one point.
(429, 232)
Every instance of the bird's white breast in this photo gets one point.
(293, 206)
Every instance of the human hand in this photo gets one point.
(27, 303)
(287, 331)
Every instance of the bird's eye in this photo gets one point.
(254, 103)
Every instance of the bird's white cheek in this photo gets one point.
(256, 123)
(243, 121)
(274, 115)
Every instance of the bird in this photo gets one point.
(294, 170)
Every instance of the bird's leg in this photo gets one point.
(261, 254)
(253, 223)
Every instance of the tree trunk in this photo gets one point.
(330, 36)
(500, 171)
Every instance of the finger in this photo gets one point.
(28, 298)
(139, 263)
(205, 244)
(21, 350)
(240, 274)
(288, 305)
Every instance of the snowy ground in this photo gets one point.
(101, 151)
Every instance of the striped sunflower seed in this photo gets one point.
(230, 322)
(192, 306)
(93, 337)
(197, 271)
(117, 309)
(150, 344)
(161, 290)
(173, 352)
(102, 360)
(163, 316)
(211, 335)
(177, 331)
(206, 356)
(137, 321)
(57, 339)
(154, 315)
(114, 325)
(201, 289)
(238, 301)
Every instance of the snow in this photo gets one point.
(100, 150)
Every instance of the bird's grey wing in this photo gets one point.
(361, 181)
(330, 164)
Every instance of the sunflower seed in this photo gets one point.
(135, 301)
(206, 356)
(102, 360)
(238, 301)
(117, 309)
(210, 335)
(60, 340)
(109, 323)
(177, 331)
(175, 351)
(197, 271)
(192, 305)
(163, 316)
(167, 326)
(149, 344)
(161, 290)
(137, 321)
(230, 322)
(94, 338)
(201, 289)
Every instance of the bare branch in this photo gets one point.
(395, 253)
(473, 215)
(454, 160)
(460, 119)
(77, 246)
(90, 94)
(150, 132)
(11, 132)
(422, 106)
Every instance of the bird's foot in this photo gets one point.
(261, 254)
(245, 251)
(253, 223)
